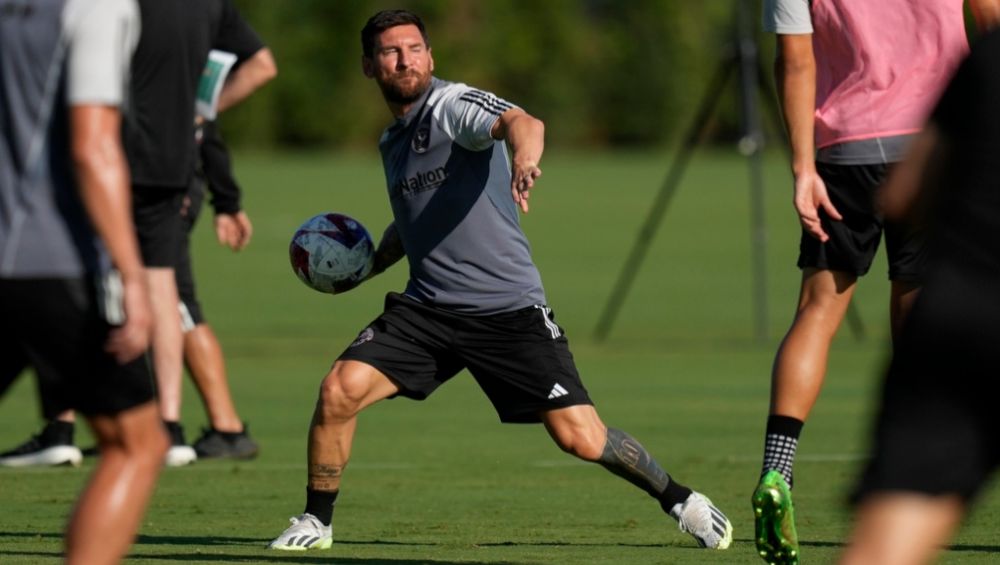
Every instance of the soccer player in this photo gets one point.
(65, 220)
(852, 96)
(227, 435)
(936, 438)
(474, 298)
(160, 142)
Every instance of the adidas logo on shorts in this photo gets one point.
(557, 391)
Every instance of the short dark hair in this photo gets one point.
(385, 20)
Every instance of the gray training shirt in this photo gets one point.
(54, 54)
(449, 186)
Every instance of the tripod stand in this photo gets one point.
(741, 57)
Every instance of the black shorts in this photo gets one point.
(191, 314)
(854, 240)
(520, 359)
(54, 326)
(938, 430)
(156, 211)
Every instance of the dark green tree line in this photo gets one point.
(599, 72)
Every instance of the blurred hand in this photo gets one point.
(523, 177)
(810, 197)
(233, 230)
(131, 339)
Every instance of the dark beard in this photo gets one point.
(396, 95)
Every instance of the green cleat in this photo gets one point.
(774, 521)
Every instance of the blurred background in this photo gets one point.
(601, 73)
(685, 367)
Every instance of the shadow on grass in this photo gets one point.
(294, 557)
(959, 547)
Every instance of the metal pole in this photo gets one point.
(751, 145)
(667, 190)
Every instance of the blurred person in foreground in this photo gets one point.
(937, 434)
(474, 299)
(160, 140)
(857, 80)
(65, 222)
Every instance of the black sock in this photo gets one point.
(780, 443)
(320, 503)
(57, 432)
(674, 494)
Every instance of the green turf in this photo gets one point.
(442, 481)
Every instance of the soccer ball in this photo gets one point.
(332, 253)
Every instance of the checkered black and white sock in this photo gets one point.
(780, 443)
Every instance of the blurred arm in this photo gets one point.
(899, 196)
(986, 13)
(103, 179)
(795, 74)
(247, 78)
(389, 251)
(526, 136)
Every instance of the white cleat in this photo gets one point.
(306, 532)
(700, 518)
(180, 455)
(44, 457)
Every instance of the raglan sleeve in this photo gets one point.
(468, 114)
(102, 36)
(786, 17)
(235, 35)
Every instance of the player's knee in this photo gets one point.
(580, 442)
(342, 393)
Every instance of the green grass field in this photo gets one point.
(442, 481)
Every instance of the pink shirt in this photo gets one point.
(881, 64)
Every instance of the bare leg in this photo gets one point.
(203, 356)
(109, 510)
(578, 430)
(167, 341)
(800, 366)
(902, 529)
(347, 389)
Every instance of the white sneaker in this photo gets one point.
(700, 518)
(306, 532)
(180, 455)
(44, 456)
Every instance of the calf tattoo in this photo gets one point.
(627, 458)
(325, 477)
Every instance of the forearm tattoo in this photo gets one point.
(627, 458)
(325, 477)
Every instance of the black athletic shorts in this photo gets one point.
(938, 430)
(854, 240)
(55, 326)
(191, 204)
(520, 359)
(156, 211)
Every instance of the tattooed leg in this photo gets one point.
(624, 456)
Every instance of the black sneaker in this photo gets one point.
(53, 446)
(180, 453)
(214, 444)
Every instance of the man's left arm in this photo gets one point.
(253, 73)
(526, 136)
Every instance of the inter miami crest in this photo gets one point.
(422, 138)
